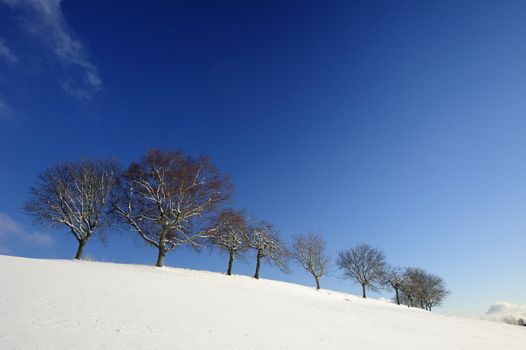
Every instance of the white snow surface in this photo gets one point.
(63, 304)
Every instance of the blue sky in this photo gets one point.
(400, 124)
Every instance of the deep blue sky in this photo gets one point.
(400, 124)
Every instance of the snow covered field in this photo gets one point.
(62, 304)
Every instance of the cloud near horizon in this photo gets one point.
(503, 311)
(11, 230)
(44, 20)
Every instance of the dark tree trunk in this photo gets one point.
(160, 257)
(317, 282)
(80, 249)
(258, 265)
(397, 297)
(230, 262)
(363, 291)
(421, 304)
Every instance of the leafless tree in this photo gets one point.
(229, 234)
(435, 291)
(364, 265)
(75, 195)
(167, 198)
(309, 251)
(394, 278)
(419, 285)
(412, 284)
(265, 241)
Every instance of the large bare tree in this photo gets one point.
(364, 265)
(309, 251)
(229, 234)
(74, 195)
(167, 197)
(268, 246)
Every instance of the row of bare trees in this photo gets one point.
(165, 198)
(367, 266)
(169, 200)
(232, 232)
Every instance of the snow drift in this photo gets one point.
(62, 304)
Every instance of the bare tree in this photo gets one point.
(394, 278)
(419, 285)
(435, 291)
(75, 195)
(230, 235)
(412, 283)
(167, 197)
(364, 265)
(265, 240)
(309, 251)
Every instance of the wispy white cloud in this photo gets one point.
(10, 231)
(8, 226)
(506, 312)
(41, 239)
(6, 112)
(6, 53)
(45, 21)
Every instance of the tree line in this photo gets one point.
(170, 199)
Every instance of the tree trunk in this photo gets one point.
(317, 282)
(421, 304)
(397, 297)
(363, 291)
(230, 262)
(160, 257)
(80, 249)
(258, 265)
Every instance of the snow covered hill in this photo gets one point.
(62, 304)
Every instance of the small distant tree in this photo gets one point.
(74, 195)
(309, 251)
(168, 197)
(364, 265)
(412, 283)
(435, 291)
(427, 289)
(393, 278)
(230, 234)
(265, 241)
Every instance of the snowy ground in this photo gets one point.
(62, 304)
